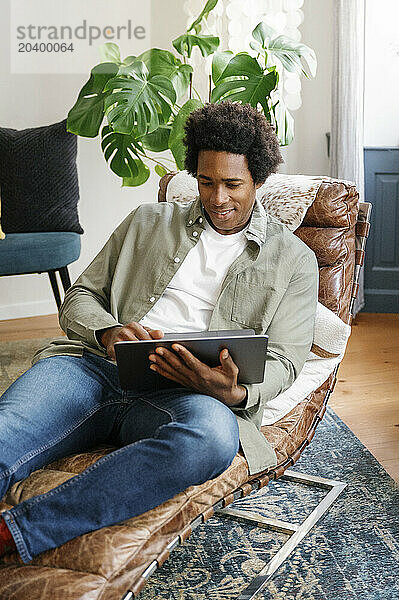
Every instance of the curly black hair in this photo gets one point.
(234, 128)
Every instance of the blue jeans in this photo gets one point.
(166, 441)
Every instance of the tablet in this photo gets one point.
(247, 350)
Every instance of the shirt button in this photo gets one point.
(190, 222)
(177, 259)
(200, 219)
(152, 299)
(195, 233)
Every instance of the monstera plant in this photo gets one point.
(141, 103)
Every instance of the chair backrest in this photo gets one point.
(335, 227)
(329, 230)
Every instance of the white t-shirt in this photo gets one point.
(189, 299)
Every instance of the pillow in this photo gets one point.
(39, 179)
(288, 197)
(182, 187)
(330, 334)
(329, 343)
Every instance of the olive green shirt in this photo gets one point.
(271, 288)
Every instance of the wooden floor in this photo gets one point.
(366, 396)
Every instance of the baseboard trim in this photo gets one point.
(27, 309)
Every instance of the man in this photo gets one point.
(218, 262)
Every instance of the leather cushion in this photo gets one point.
(335, 205)
(329, 244)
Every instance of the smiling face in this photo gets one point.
(226, 189)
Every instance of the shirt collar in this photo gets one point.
(195, 213)
(257, 225)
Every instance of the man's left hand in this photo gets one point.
(184, 368)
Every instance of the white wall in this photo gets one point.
(34, 100)
(308, 152)
(381, 101)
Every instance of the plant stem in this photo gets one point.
(175, 113)
(199, 97)
(167, 160)
(158, 162)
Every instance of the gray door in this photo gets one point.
(381, 276)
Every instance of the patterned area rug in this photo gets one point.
(15, 359)
(351, 553)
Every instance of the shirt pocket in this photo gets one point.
(255, 300)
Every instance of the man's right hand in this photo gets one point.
(131, 332)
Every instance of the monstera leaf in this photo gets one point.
(196, 25)
(160, 170)
(219, 63)
(287, 51)
(139, 94)
(158, 140)
(143, 173)
(284, 123)
(186, 42)
(141, 101)
(110, 52)
(87, 114)
(125, 66)
(121, 151)
(177, 134)
(243, 80)
(162, 62)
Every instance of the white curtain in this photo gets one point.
(346, 148)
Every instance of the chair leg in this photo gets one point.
(296, 531)
(65, 279)
(54, 286)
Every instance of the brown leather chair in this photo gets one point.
(114, 563)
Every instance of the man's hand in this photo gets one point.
(131, 332)
(184, 368)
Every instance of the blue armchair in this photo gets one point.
(39, 197)
(22, 253)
